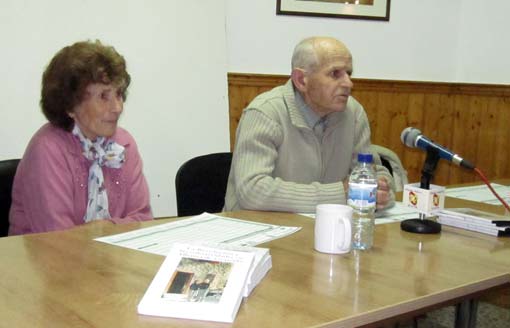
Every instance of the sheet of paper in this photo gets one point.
(396, 213)
(204, 228)
(480, 193)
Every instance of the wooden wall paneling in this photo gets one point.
(428, 127)
(381, 124)
(503, 144)
(236, 101)
(434, 126)
(445, 126)
(398, 120)
(466, 133)
(462, 134)
(485, 155)
(502, 154)
(413, 159)
(415, 105)
(370, 102)
(429, 124)
(469, 146)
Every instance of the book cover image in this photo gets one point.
(196, 280)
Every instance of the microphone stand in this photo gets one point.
(424, 225)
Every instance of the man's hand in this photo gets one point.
(383, 193)
(383, 196)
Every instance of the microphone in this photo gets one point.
(412, 137)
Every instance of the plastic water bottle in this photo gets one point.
(362, 198)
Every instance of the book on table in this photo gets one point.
(198, 282)
(475, 220)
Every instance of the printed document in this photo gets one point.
(204, 228)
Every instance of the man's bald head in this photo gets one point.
(311, 53)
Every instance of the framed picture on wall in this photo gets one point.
(358, 9)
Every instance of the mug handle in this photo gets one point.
(347, 233)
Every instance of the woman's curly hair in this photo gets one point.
(69, 73)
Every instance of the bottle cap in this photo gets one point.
(365, 158)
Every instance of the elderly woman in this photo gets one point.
(80, 167)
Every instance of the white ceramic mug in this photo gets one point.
(333, 228)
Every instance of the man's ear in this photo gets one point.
(299, 79)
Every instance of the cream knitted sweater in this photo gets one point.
(279, 164)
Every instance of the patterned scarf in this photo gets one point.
(102, 152)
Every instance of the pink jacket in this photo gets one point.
(50, 186)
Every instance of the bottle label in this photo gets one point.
(361, 195)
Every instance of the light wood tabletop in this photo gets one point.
(66, 279)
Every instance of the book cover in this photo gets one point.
(198, 282)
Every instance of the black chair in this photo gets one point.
(201, 183)
(387, 165)
(7, 172)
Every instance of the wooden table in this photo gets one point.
(66, 279)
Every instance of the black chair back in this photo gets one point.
(201, 183)
(7, 172)
(387, 165)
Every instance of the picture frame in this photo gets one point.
(354, 9)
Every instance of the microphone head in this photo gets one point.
(409, 135)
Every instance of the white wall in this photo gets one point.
(484, 44)
(433, 40)
(175, 51)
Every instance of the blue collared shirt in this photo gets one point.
(314, 121)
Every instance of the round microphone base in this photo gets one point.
(420, 226)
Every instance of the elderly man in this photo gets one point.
(296, 144)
